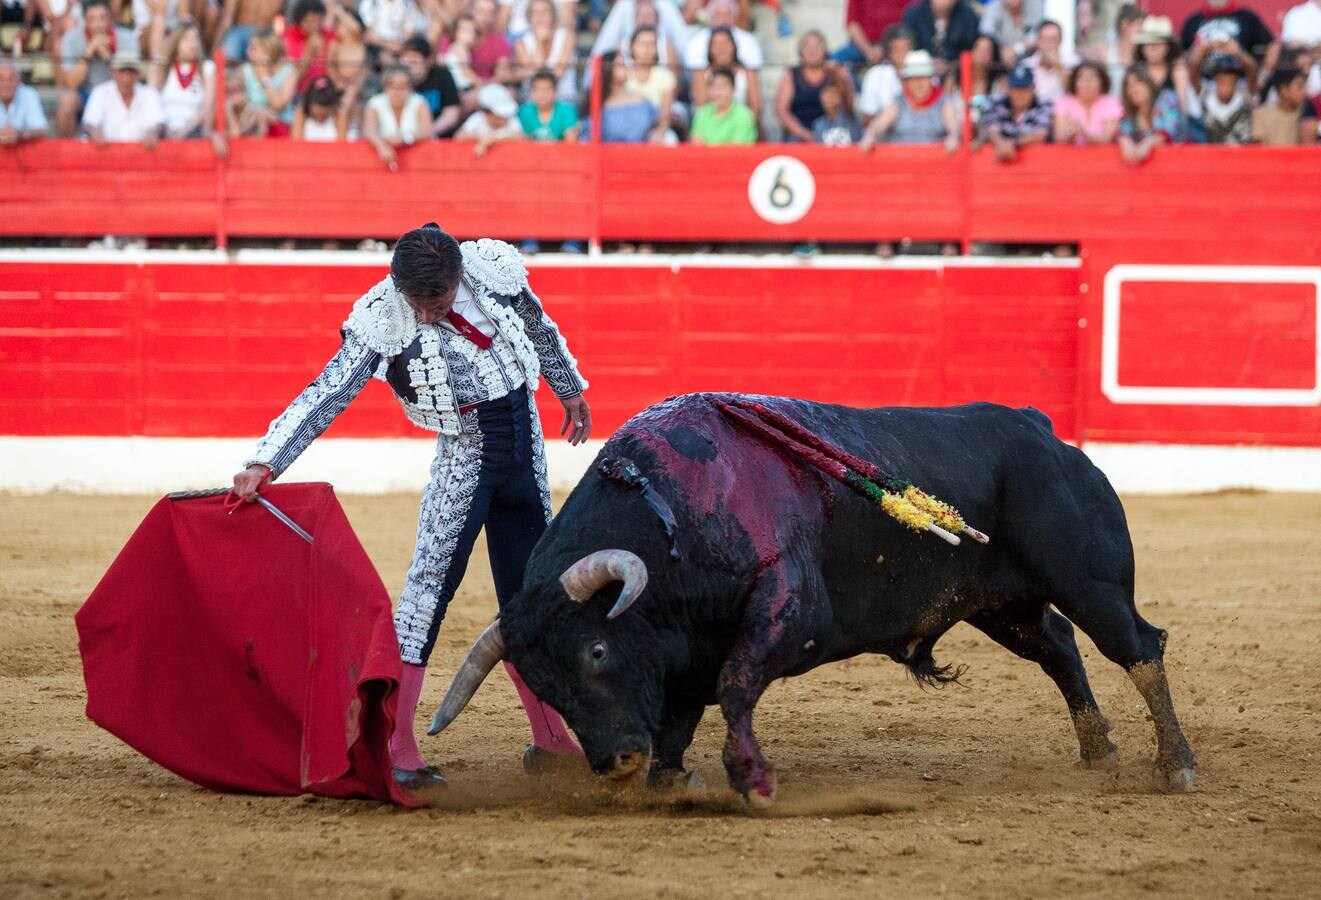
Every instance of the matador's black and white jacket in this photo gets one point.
(433, 372)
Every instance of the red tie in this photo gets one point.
(468, 330)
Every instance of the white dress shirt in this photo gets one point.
(119, 122)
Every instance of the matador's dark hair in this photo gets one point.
(426, 263)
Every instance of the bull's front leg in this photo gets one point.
(781, 615)
(678, 724)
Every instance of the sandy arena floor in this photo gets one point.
(886, 790)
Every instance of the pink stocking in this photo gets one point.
(403, 745)
(548, 729)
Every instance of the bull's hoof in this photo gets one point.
(761, 793)
(757, 800)
(675, 780)
(1174, 781)
(1101, 763)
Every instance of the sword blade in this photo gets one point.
(275, 511)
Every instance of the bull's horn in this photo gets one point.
(595, 570)
(487, 650)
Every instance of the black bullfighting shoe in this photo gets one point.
(419, 779)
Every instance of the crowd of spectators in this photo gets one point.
(393, 73)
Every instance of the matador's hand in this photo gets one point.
(577, 414)
(247, 482)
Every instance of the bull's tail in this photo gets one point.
(923, 669)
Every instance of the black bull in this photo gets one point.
(774, 569)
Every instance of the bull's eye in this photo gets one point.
(598, 651)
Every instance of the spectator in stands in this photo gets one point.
(269, 81)
(1013, 24)
(547, 45)
(1050, 65)
(1292, 118)
(650, 79)
(1119, 52)
(798, 97)
(626, 115)
(492, 56)
(988, 75)
(21, 115)
(458, 56)
(1016, 118)
(836, 127)
(396, 117)
(1287, 57)
(627, 16)
(306, 42)
(1302, 26)
(24, 24)
(1158, 52)
(495, 121)
(923, 113)
(83, 63)
(123, 110)
(721, 15)
(186, 83)
(867, 23)
(1222, 26)
(943, 28)
(545, 117)
(723, 120)
(668, 54)
(1210, 41)
(722, 52)
(1226, 104)
(389, 23)
(434, 84)
(320, 117)
(881, 85)
(1087, 114)
(1151, 117)
(346, 60)
(240, 20)
(153, 19)
(513, 16)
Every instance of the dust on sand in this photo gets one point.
(886, 789)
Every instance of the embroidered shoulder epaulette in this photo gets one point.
(382, 319)
(495, 263)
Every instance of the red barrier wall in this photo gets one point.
(283, 189)
(1215, 343)
(216, 350)
(197, 348)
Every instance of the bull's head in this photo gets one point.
(601, 672)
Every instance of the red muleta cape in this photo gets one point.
(239, 656)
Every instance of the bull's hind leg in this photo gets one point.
(1112, 622)
(779, 617)
(1036, 632)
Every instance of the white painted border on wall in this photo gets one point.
(137, 465)
(1202, 396)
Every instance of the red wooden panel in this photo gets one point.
(1068, 194)
(698, 193)
(333, 190)
(77, 188)
(293, 189)
(1203, 334)
(1236, 319)
(219, 350)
